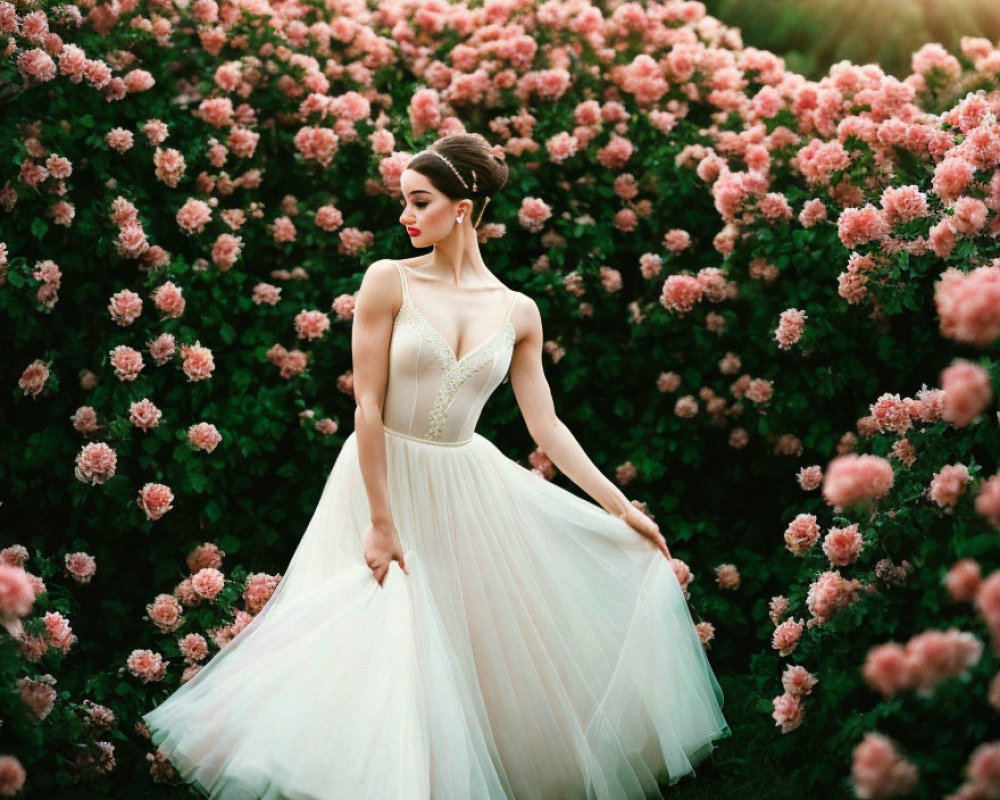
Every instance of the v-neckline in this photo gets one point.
(451, 352)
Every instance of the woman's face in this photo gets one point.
(428, 214)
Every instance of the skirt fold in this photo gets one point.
(538, 649)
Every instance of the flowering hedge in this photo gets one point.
(770, 307)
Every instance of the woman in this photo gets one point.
(527, 643)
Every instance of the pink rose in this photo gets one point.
(786, 636)
(810, 478)
(948, 485)
(204, 436)
(155, 499)
(988, 500)
(147, 665)
(788, 711)
(852, 479)
(80, 566)
(801, 534)
(165, 612)
(878, 770)
(797, 680)
(963, 580)
(95, 463)
(208, 582)
(727, 576)
(842, 545)
(967, 392)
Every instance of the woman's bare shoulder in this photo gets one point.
(381, 284)
(525, 316)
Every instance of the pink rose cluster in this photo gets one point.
(966, 584)
(198, 362)
(57, 632)
(37, 694)
(258, 590)
(966, 392)
(948, 485)
(786, 636)
(789, 708)
(48, 272)
(878, 769)
(165, 612)
(810, 478)
(290, 362)
(777, 608)
(146, 665)
(34, 378)
(983, 772)
(311, 324)
(95, 463)
(968, 304)
(224, 634)
(852, 479)
(791, 324)
(801, 534)
(80, 566)
(922, 663)
(155, 500)
(205, 555)
(890, 414)
(193, 647)
(169, 300)
(17, 596)
(705, 631)
(842, 545)
(541, 464)
(727, 576)
(682, 572)
(533, 213)
(343, 306)
(207, 582)
(988, 500)
(203, 436)
(828, 594)
(144, 414)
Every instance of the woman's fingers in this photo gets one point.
(653, 533)
(380, 570)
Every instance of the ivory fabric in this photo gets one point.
(538, 649)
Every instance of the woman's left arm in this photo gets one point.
(534, 398)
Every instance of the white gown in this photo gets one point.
(538, 649)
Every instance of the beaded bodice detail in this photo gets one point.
(430, 393)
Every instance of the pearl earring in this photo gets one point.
(459, 220)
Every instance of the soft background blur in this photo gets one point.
(813, 34)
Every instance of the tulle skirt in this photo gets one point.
(538, 649)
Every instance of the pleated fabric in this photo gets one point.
(538, 649)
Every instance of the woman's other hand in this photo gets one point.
(381, 546)
(645, 527)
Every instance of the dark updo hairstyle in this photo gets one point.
(468, 153)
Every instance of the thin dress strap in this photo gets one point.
(510, 307)
(402, 277)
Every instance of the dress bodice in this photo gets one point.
(430, 394)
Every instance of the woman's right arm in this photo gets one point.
(374, 309)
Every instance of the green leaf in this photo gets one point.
(213, 511)
(39, 227)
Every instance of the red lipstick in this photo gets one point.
(413, 231)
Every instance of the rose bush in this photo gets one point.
(770, 305)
